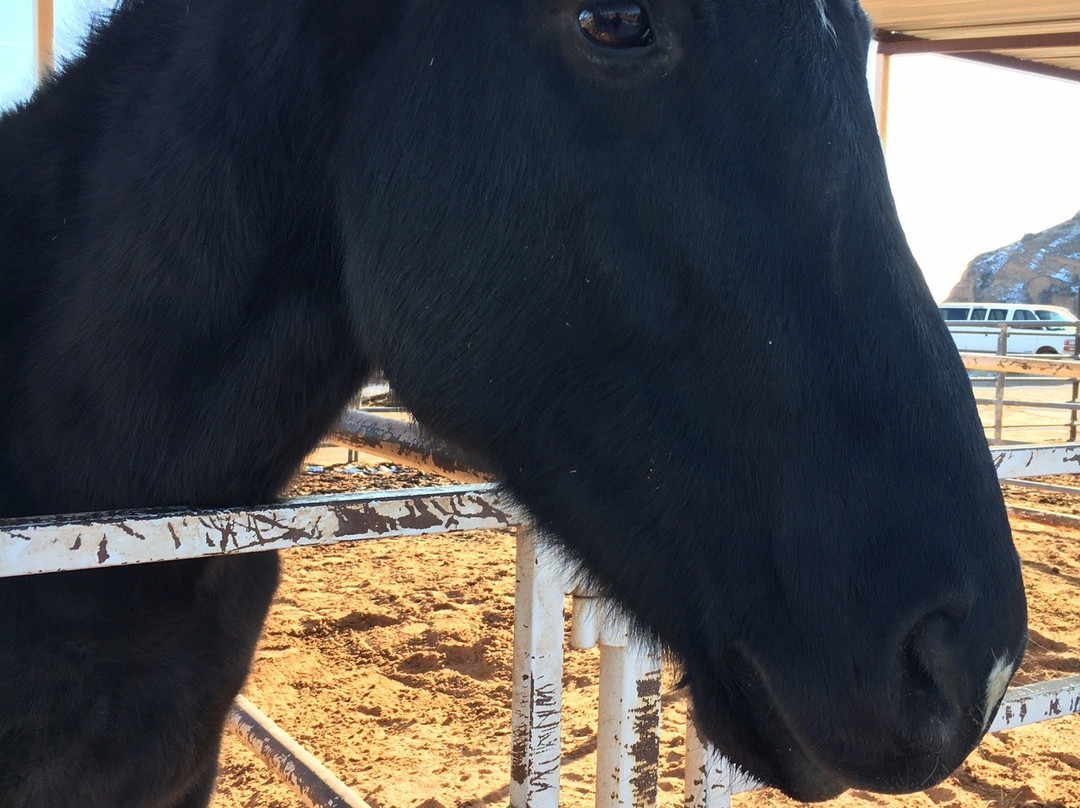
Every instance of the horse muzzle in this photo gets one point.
(811, 737)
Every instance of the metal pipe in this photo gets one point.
(1055, 489)
(1053, 518)
(709, 778)
(1030, 704)
(91, 541)
(294, 765)
(1036, 461)
(406, 441)
(536, 692)
(628, 727)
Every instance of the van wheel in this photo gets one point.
(1046, 349)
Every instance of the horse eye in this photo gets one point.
(616, 24)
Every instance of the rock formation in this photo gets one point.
(1039, 268)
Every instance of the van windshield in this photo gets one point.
(1055, 316)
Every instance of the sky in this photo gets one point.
(978, 156)
(72, 17)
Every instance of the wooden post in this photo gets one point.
(881, 94)
(1075, 382)
(44, 55)
(999, 385)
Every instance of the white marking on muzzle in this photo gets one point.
(995, 688)
(825, 21)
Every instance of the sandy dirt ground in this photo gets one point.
(390, 661)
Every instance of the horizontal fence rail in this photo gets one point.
(316, 785)
(1002, 365)
(407, 442)
(1030, 704)
(1018, 337)
(628, 724)
(87, 541)
(1058, 368)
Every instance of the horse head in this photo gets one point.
(642, 256)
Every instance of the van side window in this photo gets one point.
(996, 314)
(953, 313)
(978, 314)
(1023, 314)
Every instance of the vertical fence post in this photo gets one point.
(882, 63)
(705, 785)
(999, 386)
(628, 729)
(536, 721)
(44, 54)
(711, 778)
(1075, 382)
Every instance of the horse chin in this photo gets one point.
(738, 716)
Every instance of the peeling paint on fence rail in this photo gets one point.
(1059, 368)
(1036, 461)
(87, 541)
(1030, 704)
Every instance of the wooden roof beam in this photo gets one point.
(894, 44)
(891, 43)
(1011, 62)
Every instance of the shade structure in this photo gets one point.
(1041, 36)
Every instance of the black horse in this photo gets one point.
(639, 255)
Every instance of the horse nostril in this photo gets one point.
(932, 673)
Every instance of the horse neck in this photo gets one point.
(169, 257)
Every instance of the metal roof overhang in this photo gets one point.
(1040, 36)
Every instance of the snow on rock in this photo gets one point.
(1040, 268)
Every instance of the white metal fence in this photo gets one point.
(628, 724)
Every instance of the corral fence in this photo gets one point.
(629, 699)
(1032, 350)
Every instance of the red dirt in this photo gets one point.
(390, 661)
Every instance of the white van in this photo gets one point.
(977, 326)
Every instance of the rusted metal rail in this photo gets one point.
(407, 442)
(316, 785)
(88, 541)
